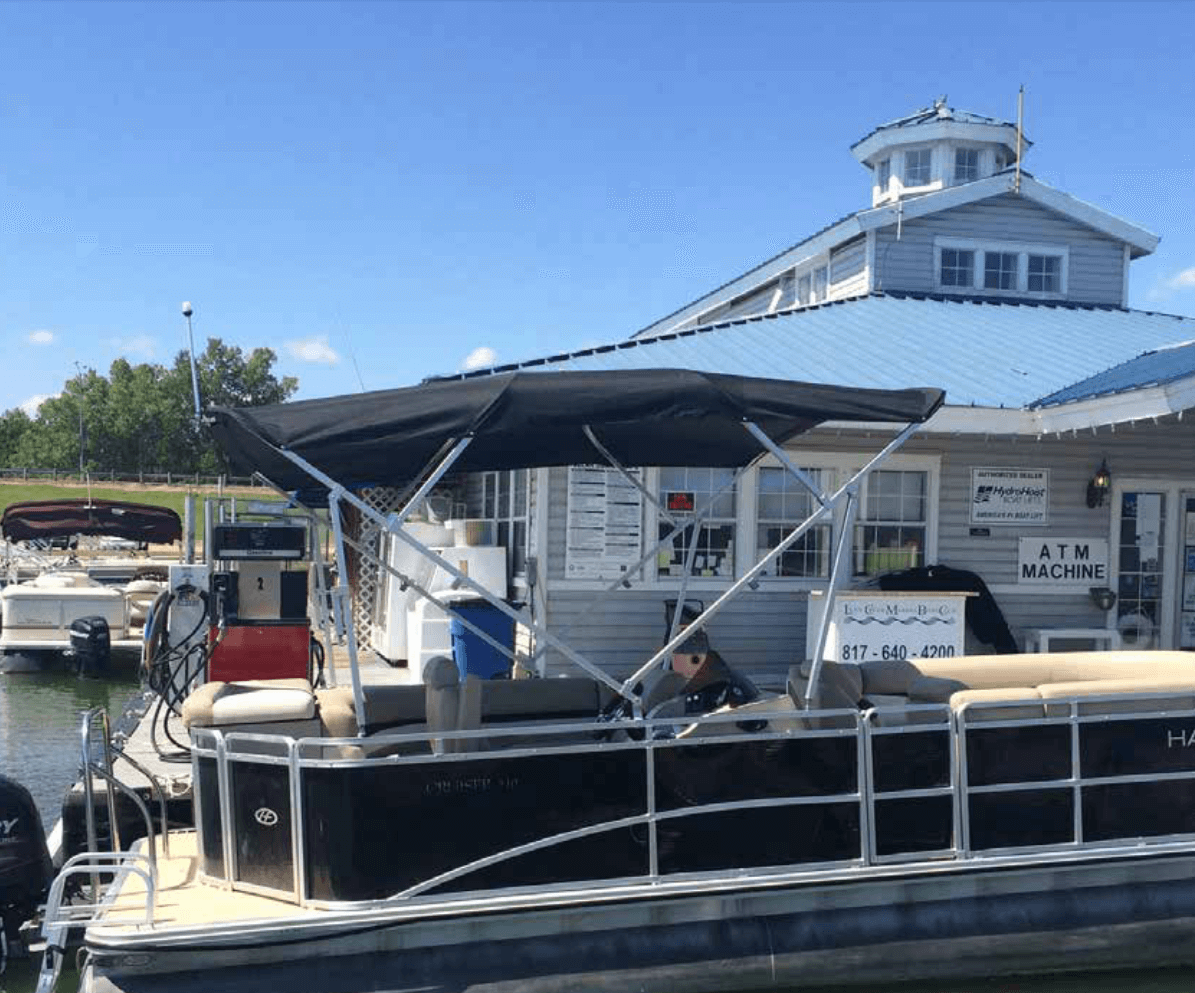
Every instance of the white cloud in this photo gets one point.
(1184, 280)
(138, 346)
(314, 349)
(30, 406)
(479, 358)
(40, 337)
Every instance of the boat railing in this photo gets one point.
(61, 917)
(898, 785)
(98, 761)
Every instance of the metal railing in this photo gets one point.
(944, 791)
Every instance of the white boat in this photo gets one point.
(673, 829)
(38, 612)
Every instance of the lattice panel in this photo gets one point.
(366, 582)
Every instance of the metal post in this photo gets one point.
(343, 598)
(189, 529)
(848, 524)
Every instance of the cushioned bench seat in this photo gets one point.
(267, 706)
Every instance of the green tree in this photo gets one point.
(13, 425)
(141, 418)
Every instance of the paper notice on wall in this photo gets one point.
(605, 522)
(1149, 530)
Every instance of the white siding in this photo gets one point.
(1096, 270)
(848, 270)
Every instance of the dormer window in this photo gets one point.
(958, 265)
(1001, 161)
(884, 175)
(917, 166)
(803, 285)
(1000, 268)
(966, 165)
(1045, 274)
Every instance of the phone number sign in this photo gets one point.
(907, 626)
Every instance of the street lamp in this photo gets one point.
(79, 369)
(187, 312)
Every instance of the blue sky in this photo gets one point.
(377, 190)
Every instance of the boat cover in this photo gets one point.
(108, 518)
(644, 417)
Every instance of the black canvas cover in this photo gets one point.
(645, 417)
(107, 518)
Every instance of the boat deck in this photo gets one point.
(184, 900)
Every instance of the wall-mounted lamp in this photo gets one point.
(1102, 597)
(1099, 485)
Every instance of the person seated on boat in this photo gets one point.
(699, 679)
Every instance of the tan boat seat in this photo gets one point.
(1007, 697)
(269, 706)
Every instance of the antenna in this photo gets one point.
(1020, 118)
(187, 312)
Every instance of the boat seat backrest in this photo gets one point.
(485, 702)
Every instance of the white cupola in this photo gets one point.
(935, 148)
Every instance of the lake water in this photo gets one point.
(39, 747)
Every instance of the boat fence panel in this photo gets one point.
(331, 822)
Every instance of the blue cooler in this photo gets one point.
(473, 656)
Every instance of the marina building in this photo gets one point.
(1061, 471)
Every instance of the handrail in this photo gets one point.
(58, 920)
(946, 791)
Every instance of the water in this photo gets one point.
(39, 747)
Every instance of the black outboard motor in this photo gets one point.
(25, 868)
(91, 645)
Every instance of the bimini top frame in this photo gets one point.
(323, 450)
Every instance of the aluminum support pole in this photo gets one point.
(343, 597)
(844, 542)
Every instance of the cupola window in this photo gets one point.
(884, 175)
(966, 165)
(917, 166)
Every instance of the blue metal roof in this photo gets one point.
(1153, 368)
(987, 353)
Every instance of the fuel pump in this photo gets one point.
(258, 622)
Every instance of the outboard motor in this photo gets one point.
(91, 645)
(25, 868)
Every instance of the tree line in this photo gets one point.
(141, 418)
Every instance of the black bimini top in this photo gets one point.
(644, 417)
(107, 518)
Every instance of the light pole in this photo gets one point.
(79, 369)
(187, 312)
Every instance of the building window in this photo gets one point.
(957, 267)
(1045, 274)
(999, 270)
(819, 283)
(504, 502)
(688, 492)
(803, 285)
(917, 164)
(891, 533)
(966, 165)
(782, 503)
(884, 174)
(1001, 161)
